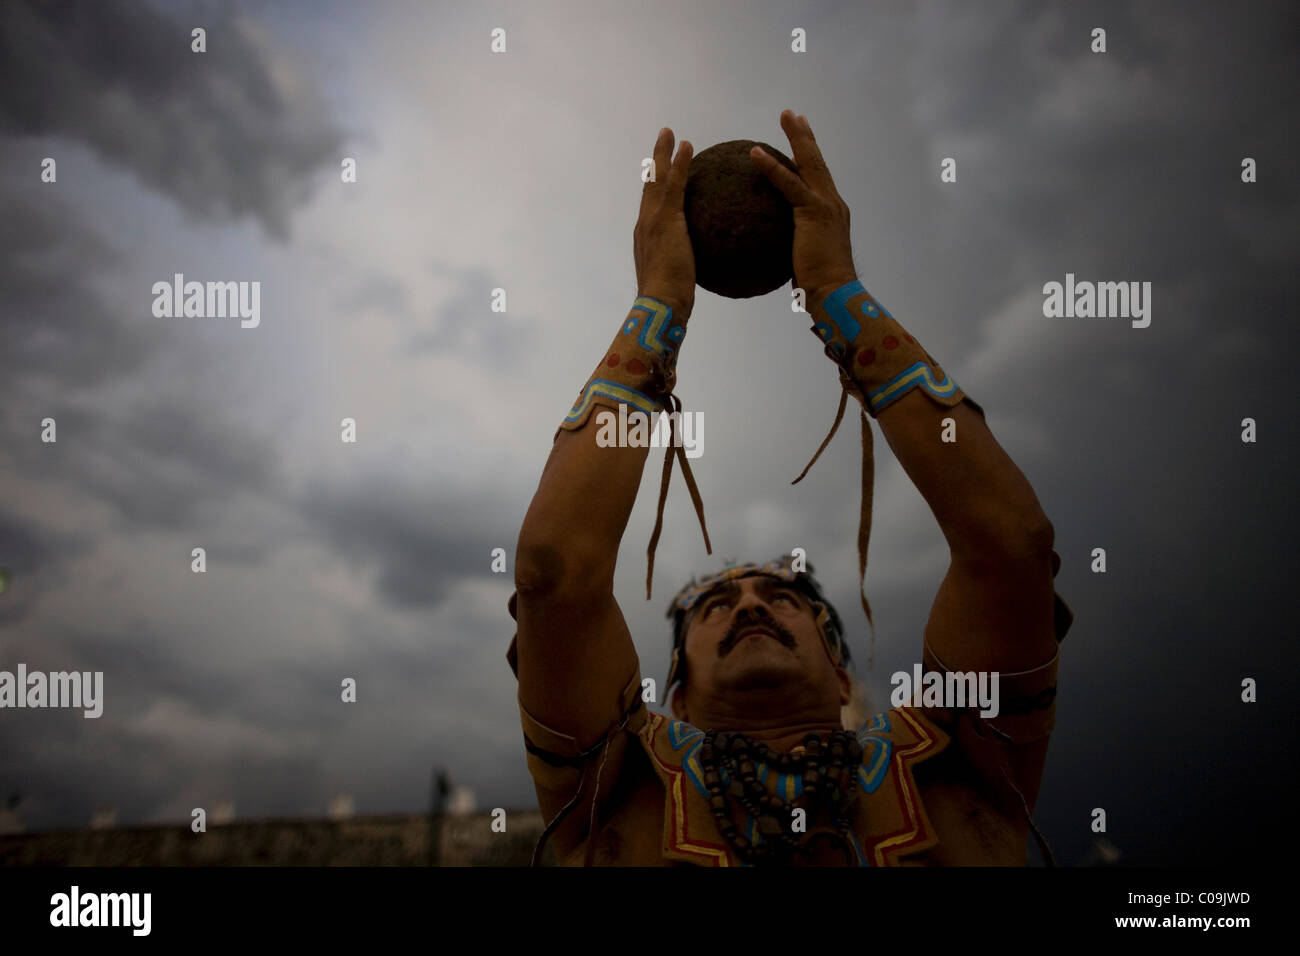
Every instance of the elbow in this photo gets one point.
(545, 570)
(1041, 535)
(1033, 540)
(1012, 538)
(1027, 538)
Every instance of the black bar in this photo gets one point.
(240, 905)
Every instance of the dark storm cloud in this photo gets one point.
(34, 555)
(1126, 166)
(187, 769)
(219, 451)
(1124, 160)
(423, 539)
(1116, 166)
(158, 462)
(221, 132)
(58, 333)
(172, 458)
(165, 460)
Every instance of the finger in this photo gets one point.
(663, 151)
(675, 189)
(807, 154)
(792, 187)
(819, 162)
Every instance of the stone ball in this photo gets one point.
(741, 226)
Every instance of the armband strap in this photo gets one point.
(879, 362)
(638, 375)
(877, 355)
(1026, 701)
(568, 754)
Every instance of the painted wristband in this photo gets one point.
(876, 353)
(640, 370)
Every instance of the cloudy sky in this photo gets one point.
(521, 170)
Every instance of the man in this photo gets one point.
(757, 768)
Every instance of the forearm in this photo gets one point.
(571, 533)
(984, 505)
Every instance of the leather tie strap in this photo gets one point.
(878, 362)
(640, 373)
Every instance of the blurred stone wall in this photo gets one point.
(391, 840)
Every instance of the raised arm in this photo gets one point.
(575, 654)
(995, 608)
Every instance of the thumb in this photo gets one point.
(790, 185)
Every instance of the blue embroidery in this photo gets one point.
(877, 752)
(682, 734)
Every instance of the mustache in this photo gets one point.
(772, 627)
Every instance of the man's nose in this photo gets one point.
(751, 605)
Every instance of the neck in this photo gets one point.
(780, 732)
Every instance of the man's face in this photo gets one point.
(757, 633)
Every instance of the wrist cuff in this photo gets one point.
(879, 360)
(1027, 700)
(640, 369)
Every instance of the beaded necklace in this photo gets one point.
(827, 768)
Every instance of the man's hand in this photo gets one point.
(661, 246)
(823, 260)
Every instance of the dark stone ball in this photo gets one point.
(741, 226)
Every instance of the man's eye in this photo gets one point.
(783, 596)
(714, 606)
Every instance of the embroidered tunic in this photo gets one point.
(934, 786)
